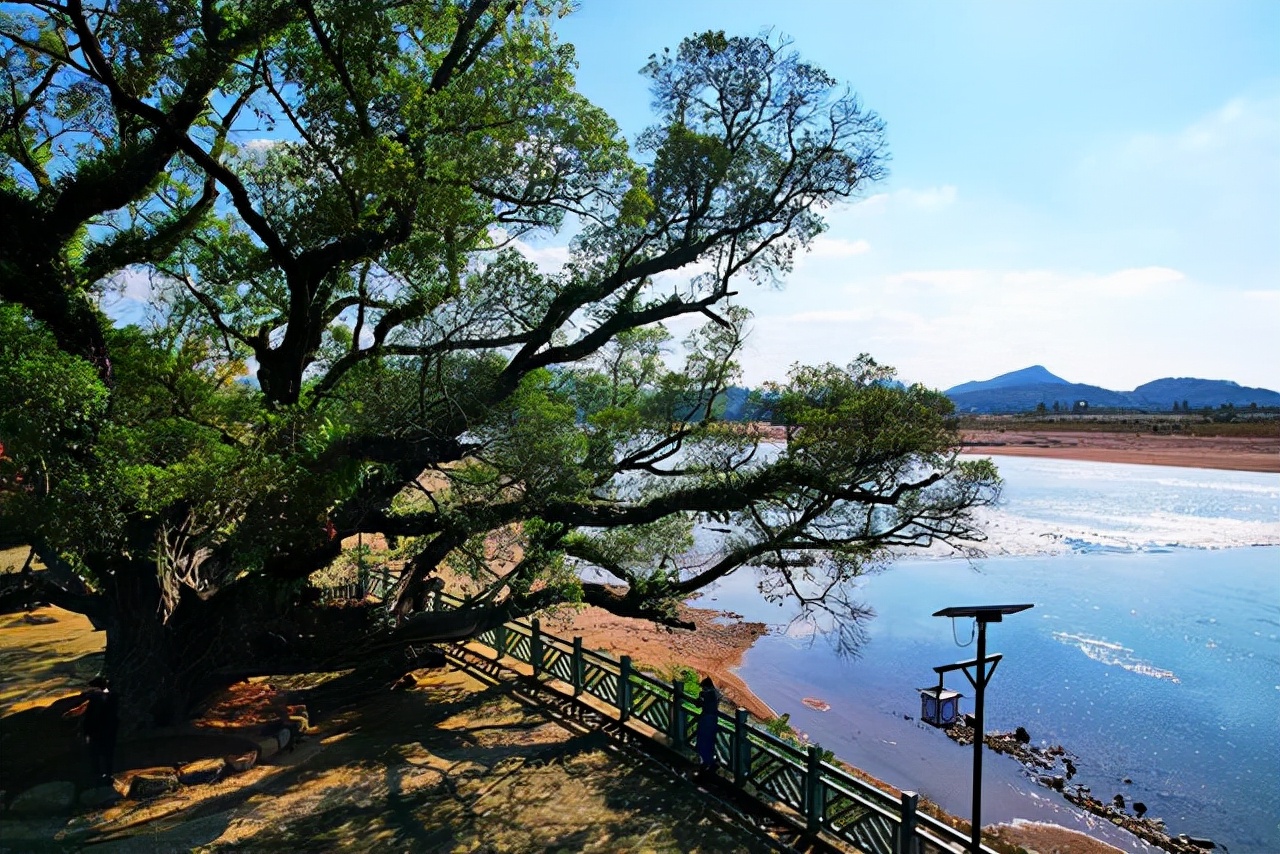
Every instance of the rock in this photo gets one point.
(1059, 782)
(99, 797)
(242, 762)
(431, 658)
(267, 747)
(152, 782)
(55, 797)
(38, 619)
(202, 771)
(285, 738)
(1118, 800)
(1139, 809)
(1127, 781)
(1021, 735)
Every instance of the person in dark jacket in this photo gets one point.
(101, 714)
(708, 721)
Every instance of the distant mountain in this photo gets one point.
(1023, 391)
(1160, 394)
(1034, 375)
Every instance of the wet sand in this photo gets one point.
(1260, 454)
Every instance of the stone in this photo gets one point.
(1022, 736)
(1139, 809)
(243, 762)
(100, 796)
(267, 747)
(285, 738)
(1118, 800)
(55, 797)
(153, 782)
(201, 771)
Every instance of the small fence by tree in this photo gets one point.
(827, 798)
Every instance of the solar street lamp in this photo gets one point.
(979, 678)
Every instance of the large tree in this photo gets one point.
(334, 199)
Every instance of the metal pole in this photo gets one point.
(975, 832)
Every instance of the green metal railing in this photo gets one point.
(773, 771)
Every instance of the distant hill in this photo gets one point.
(1034, 375)
(1160, 394)
(1022, 391)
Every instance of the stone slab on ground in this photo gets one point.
(148, 782)
(44, 799)
(242, 762)
(267, 747)
(100, 796)
(201, 771)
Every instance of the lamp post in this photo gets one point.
(983, 614)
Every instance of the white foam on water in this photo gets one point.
(1115, 655)
(1013, 534)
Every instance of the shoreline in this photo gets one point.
(1220, 453)
(714, 648)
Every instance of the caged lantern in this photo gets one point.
(939, 706)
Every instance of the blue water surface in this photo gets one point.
(1156, 663)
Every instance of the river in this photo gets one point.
(1152, 652)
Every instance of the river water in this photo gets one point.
(1152, 652)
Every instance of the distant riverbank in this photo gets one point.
(1232, 453)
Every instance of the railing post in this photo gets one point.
(578, 666)
(535, 645)
(675, 729)
(906, 843)
(500, 639)
(624, 689)
(741, 748)
(813, 789)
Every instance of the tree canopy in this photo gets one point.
(326, 204)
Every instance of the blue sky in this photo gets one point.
(1091, 186)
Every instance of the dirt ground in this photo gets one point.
(712, 649)
(457, 763)
(1260, 454)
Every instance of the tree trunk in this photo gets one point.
(156, 666)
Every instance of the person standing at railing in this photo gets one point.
(708, 721)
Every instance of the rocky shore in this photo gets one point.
(1054, 767)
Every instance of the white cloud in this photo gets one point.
(835, 247)
(1117, 328)
(928, 199)
(1204, 197)
(933, 198)
(547, 257)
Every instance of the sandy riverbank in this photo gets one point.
(714, 648)
(1260, 454)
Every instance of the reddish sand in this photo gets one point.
(712, 649)
(1260, 454)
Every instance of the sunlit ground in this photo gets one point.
(456, 764)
